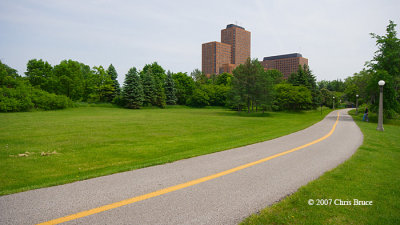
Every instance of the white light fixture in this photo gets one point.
(381, 83)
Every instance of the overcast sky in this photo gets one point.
(333, 35)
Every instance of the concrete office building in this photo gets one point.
(235, 42)
(287, 64)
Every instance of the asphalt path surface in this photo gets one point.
(226, 199)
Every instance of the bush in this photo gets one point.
(15, 99)
(17, 95)
(47, 101)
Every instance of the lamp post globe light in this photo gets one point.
(380, 116)
(333, 102)
(356, 104)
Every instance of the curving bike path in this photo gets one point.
(219, 188)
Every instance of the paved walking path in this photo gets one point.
(194, 191)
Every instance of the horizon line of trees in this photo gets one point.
(73, 81)
(249, 87)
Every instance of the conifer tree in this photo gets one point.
(148, 88)
(158, 74)
(170, 89)
(299, 78)
(305, 77)
(159, 93)
(113, 73)
(133, 90)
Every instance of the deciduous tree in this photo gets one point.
(184, 87)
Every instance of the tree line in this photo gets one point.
(249, 88)
(49, 87)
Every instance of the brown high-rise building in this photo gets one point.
(214, 56)
(286, 64)
(224, 56)
(239, 39)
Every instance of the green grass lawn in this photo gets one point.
(371, 174)
(79, 143)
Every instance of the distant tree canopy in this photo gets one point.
(334, 85)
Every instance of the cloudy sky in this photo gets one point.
(333, 35)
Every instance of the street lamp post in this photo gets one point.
(380, 116)
(356, 104)
(333, 103)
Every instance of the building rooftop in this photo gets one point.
(234, 25)
(293, 55)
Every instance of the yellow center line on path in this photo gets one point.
(181, 186)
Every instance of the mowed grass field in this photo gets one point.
(39, 149)
(371, 174)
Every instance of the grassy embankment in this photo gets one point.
(371, 174)
(39, 149)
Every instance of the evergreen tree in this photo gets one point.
(170, 89)
(305, 77)
(158, 75)
(133, 90)
(148, 88)
(299, 78)
(159, 92)
(312, 85)
(113, 74)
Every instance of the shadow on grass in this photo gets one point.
(244, 114)
(257, 114)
